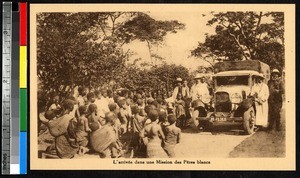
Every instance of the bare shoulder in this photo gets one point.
(177, 130)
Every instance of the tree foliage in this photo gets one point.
(160, 77)
(86, 48)
(245, 35)
(146, 29)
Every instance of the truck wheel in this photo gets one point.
(249, 121)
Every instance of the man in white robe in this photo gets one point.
(260, 91)
(200, 89)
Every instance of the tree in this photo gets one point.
(146, 29)
(86, 48)
(68, 56)
(164, 76)
(245, 36)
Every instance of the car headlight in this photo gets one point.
(236, 98)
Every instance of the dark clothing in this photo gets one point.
(202, 111)
(274, 115)
(66, 146)
(276, 89)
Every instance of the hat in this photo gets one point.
(178, 80)
(275, 71)
(198, 76)
(260, 76)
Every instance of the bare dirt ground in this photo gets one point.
(263, 144)
(208, 144)
(217, 144)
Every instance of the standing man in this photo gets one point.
(260, 92)
(186, 90)
(275, 99)
(183, 89)
(200, 88)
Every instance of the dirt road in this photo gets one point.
(208, 144)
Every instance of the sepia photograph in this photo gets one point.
(172, 87)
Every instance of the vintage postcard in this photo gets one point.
(162, 86)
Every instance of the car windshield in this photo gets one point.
(232, 80)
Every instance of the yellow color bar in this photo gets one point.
(23, 67)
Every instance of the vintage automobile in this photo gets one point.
(231, 103)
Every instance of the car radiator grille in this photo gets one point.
(223, 103)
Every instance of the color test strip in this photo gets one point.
(15, 92)
(23, 88)
(6, 87)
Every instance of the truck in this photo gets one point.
(231, 100)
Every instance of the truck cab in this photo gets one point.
(231, 102)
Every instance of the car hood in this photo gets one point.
(233, 89)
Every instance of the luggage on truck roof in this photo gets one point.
(254, 65)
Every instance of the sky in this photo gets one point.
(178, 46)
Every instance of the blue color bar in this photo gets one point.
(23, 152)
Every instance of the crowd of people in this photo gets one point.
(114, 123)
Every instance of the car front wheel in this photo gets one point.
(249, 121)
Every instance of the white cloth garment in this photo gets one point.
(102, 105)
(261, 91)
(199, 90)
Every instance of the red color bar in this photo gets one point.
(23, 24)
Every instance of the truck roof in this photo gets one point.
(236, 73)
(254, 65)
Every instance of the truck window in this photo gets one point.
(232, 80)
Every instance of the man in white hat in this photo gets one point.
(260, 92)
(200, 88)
(276, 88)
(183, 89)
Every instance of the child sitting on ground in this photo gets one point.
(82, 130)
(95, 122)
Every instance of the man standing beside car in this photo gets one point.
(260, 92)
(199, 89)
(275, 99)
